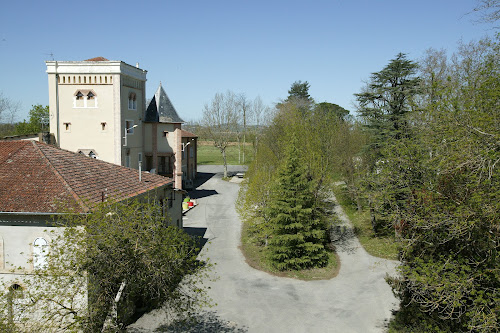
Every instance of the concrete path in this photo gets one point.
(248, 300)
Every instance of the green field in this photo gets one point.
(208, 154)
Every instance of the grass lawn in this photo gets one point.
(208, 154)
(382, 246)
(255, 256)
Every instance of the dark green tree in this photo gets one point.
(299, 90)
(325, 108)
(386, 100)
(298, 228)
(384, 106)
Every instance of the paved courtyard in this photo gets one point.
(248, 300)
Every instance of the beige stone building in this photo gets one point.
(39, 182)
(98, 108)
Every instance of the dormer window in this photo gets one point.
(132, 101)
(88, 152)
(85, 99)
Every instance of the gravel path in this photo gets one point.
(248, 300)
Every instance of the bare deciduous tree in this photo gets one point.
(259, 113)
(220, 121)
(8, 109)
(489, 10)
(245, 109)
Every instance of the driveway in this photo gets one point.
(248, 300)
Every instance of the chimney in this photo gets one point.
(178, 157)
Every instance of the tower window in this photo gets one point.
(132, 101)
(85, 99)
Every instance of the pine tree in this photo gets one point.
(384, 107)
(386, 100)
(299, 90)
(298, 235)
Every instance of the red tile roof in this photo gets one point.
(186, 134)
(36, 177)
(97, 59)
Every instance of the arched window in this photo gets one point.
(40, 252)
(17, 290)
(79, 101)
(132, 101)
(15, 302)
(85, 99)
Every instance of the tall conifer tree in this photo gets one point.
(298, 228)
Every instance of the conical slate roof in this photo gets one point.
(161, 109)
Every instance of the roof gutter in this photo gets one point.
(32, 213)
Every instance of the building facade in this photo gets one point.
(94, 106)
(40, 183)
(98, 108)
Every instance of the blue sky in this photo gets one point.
(199, 48)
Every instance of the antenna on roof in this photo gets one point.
(50, 54)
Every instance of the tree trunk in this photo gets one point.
(225, 162)
(239, 150)
(244, 141)
(372, 217)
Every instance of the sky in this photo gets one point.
(199, 48)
